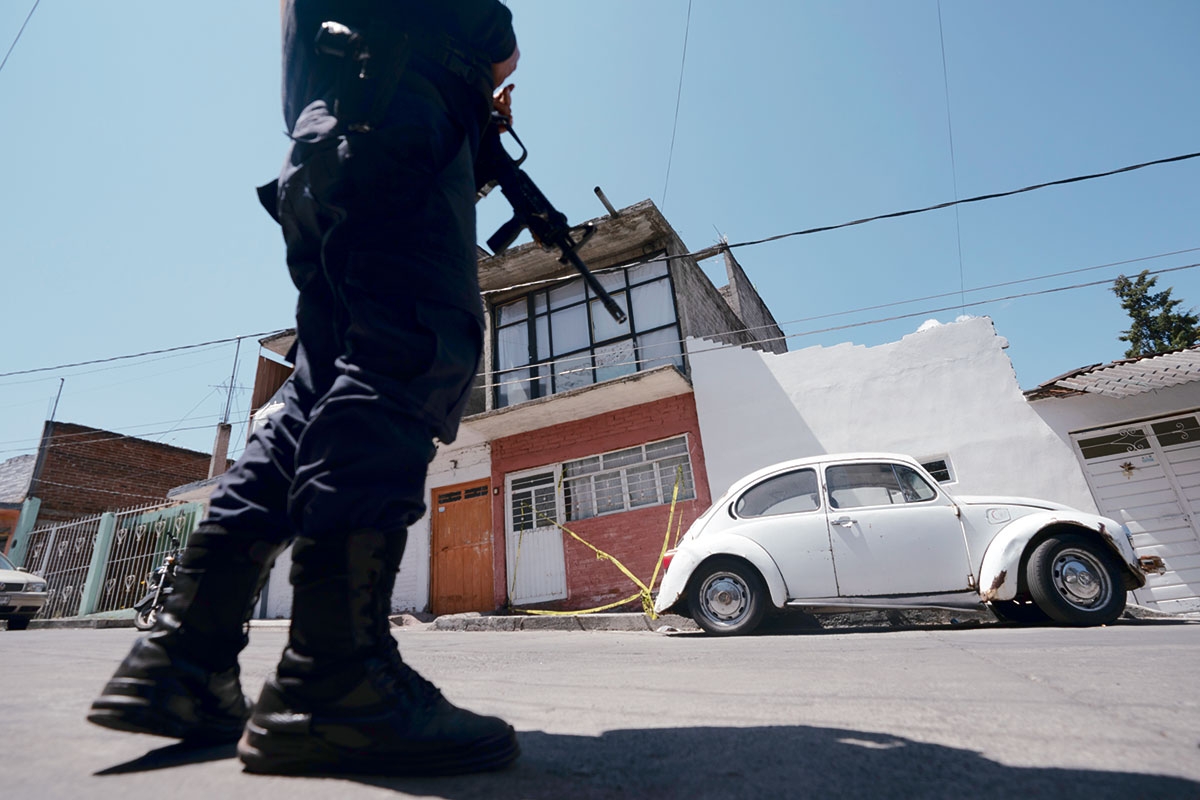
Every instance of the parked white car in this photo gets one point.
(22, 595)
(875, 530)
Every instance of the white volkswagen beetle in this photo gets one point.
(875, 530)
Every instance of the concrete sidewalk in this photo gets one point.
(791, 620)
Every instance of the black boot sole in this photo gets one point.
(126, 705)
(274, 753)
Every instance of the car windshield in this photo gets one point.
(5, 563)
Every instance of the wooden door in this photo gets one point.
(461, 549)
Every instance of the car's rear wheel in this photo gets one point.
(727, 597)
(18, 623)
(1022, 612)
(1076, 580)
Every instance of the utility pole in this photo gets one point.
(220, 454)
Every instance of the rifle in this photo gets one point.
(531, 209)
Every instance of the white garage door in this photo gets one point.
(1147, 475)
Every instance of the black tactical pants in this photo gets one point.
(380, 235)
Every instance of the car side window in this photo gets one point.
(790, 493)
(858, 485)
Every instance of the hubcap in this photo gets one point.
(1081, 579)
(725, 597)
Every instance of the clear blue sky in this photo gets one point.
(135, 132)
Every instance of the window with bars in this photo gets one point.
(533, 501)
(561, 338)
(635, 477)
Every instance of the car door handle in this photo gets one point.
(844, 521)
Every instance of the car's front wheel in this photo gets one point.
(1076, 580)
(727, 597)
(18, 623)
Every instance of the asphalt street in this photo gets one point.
(940, 712)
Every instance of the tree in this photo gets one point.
(1157, 326)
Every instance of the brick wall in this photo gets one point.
(633, 537)
(84, 471)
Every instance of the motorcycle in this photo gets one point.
(161, 586)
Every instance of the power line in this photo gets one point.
(687, 26)
(711, 251)
(585, 367)
(976, 199)
(110, 438)
(953, 165)
(22, 30)
(706, 253)
(141, 355)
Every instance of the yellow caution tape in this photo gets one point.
(644, 590)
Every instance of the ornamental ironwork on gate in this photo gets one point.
(104, 562)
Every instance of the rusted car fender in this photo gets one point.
(999, 573)
(689, 557)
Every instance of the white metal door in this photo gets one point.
(536, 564)
(1147, 476)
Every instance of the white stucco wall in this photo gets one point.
(948, 390)
(464, 461)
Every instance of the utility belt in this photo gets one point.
(373, 59)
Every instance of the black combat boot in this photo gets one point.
(342, 699)
(182, 679)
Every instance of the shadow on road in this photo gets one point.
(790, 761)
(716, 762)
(173, 755)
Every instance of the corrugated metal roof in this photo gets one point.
(1125, 378)
(15, 474)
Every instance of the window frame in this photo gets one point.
(837, 506)
(562, 488)
(544, 374)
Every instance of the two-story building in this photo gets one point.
(576, 419)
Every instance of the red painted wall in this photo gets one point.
(633, 537)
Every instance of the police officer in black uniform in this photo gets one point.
(385, 102)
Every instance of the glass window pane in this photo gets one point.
(642, 483)
(613, 281)
(542, 328)
(514, 387)
(857, 485)
(653, 306)
(584, 466)
(513, 346)
(676, 470)
(604, 327)
(622, 457)
(659, 348)
(539, 303)
(568, 293)
(614, 360)
(580, 498)
(916, 489)
(668, 447)
(513, 312)
(791, 493)
(609, 492)
(572, 372)
(645, 272)
(569, 329)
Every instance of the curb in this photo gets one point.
(796, 619)
(537, 622)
